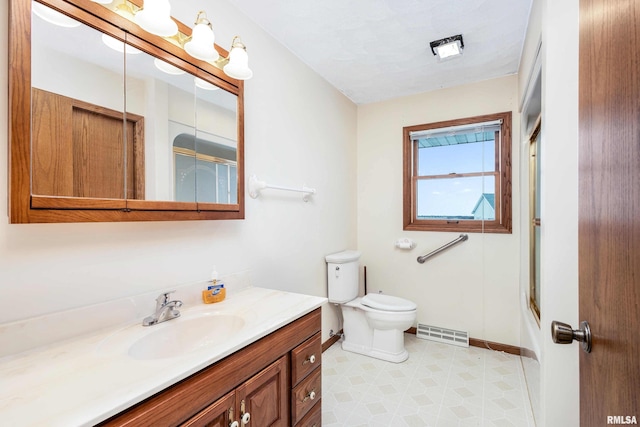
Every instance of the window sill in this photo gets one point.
(459, 228)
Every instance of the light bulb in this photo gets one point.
(238, 65)
(202, 38)
(155, 18)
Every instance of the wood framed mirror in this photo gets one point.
(110, 123)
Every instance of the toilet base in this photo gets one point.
(375, 333)
(376, 353)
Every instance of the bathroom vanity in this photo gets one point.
(261, 366)
(257, 384)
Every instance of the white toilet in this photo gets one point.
(373, 325)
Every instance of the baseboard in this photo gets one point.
(331, 341)
(474, 342)
(490, 345)
(530, 354)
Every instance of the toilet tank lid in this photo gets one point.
(388, 302)
(342, 257)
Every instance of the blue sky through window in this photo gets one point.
(454, 197)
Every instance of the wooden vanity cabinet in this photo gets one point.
(256, 380)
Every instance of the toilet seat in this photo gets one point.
(387, 302)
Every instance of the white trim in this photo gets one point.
(536, 69)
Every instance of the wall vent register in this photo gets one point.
(443, 335)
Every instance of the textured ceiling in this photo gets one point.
(373, 50)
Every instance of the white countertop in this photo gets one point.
(83, 381)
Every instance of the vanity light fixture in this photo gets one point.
(447, 48)
(155, 18)
(124, 9)
(238, 65)
(202, 38)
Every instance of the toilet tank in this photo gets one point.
(342, 276)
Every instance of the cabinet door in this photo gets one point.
(218, 414)
(264, 397)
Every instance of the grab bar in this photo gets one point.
(461, 238)
(255, 186)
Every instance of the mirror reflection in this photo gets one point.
(169, 97)
(77, 109)
(216, 154)
(111, 121)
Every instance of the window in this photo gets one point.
(457, 175)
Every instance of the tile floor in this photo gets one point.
(438, 386)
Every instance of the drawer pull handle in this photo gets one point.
(311, 359)
(310, 396)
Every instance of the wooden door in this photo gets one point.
(99, 162)
(265, 396)
(609, 210)
(84, 150)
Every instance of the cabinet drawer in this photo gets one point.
(305, 358)
(305, 395)
(313, 418)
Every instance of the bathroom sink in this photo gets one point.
(185, 335)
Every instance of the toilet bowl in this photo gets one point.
(373, 325)
(389, 312)
(375, 332)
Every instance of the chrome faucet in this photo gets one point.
(165, 310)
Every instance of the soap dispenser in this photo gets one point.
(215, 291)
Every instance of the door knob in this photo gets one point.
(564, 334)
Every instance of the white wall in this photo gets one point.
(530, 334)
(54, 75)
(297, 129)
(471, 287)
